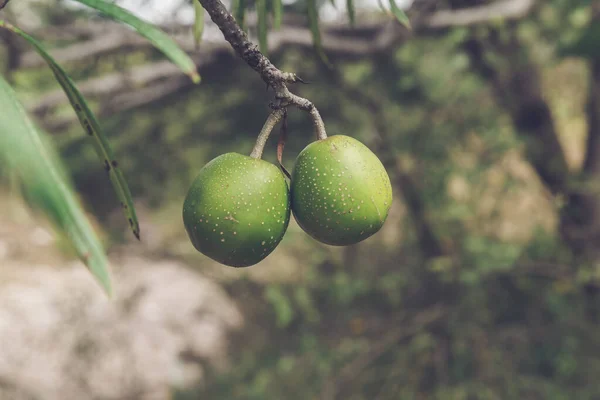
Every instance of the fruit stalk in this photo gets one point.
(318, 124)
(261, 140)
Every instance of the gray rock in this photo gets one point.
(61, 338)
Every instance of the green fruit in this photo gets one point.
(237, 209)
(341, 193)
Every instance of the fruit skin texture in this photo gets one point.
(237, 209)
(341, 193)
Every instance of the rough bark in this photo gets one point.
(517, 83)
(243, 47)
(249, 52)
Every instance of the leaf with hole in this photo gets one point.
(30, 156)
(91, 127)
(157, 37)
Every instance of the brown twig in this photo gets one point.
(249, 52)
(270, 123)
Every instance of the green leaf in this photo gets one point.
(261, 9)
(277, 13)
(198, 22)
(284, 311)
(313, 21)
(238, 9)
(36, 166)
(351, 11)
(585, 44)
(158, 38)
(400, 14)
(92, 128)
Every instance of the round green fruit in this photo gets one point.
(341, 193)
(237, 209)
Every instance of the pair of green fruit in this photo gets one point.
(238, 207)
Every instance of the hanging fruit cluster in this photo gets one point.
(238, 208)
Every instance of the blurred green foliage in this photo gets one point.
(514, 314)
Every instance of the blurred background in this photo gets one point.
(483, 283)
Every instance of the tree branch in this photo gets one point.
(112, 84)
(249, 52)
(580, 222)
(111, 41)
(371, 36)
(241, 44)
(126, 101)
(153, 74)
(592, 157)
(376, 37)
(516, 82)
(507, 9)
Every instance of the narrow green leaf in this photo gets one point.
(261, 10)
(313, 21)
(239, 12)
(37, 167)
(157, 37)
(91, 127)
(399, 14)
(277, 13)
(351, 11)
(198, 22)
